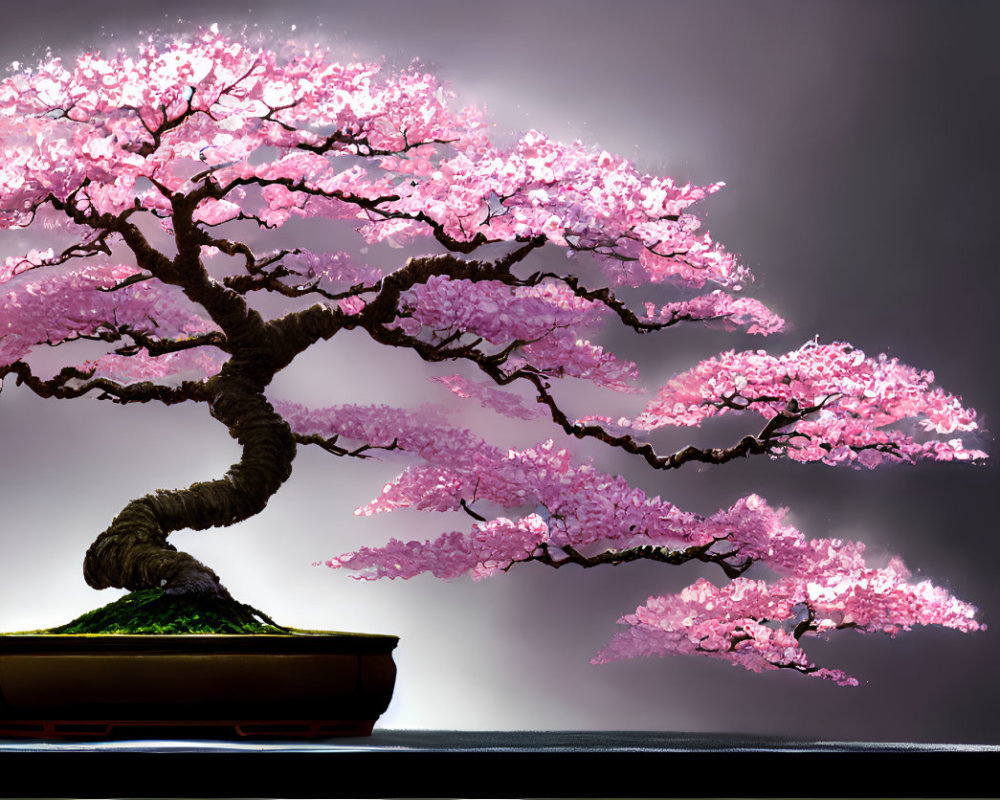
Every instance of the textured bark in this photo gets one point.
(133, 553)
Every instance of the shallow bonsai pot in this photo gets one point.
(303, 684)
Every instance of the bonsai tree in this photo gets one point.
(160, 181)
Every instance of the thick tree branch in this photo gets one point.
(662, 554)
(607, 298)
(158, 347)
(71, 382)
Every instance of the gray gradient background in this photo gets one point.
(859, 144)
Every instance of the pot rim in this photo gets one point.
(296, 641)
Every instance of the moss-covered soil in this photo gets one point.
(153, 611)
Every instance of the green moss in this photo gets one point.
(153, 611)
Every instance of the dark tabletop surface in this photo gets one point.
(423, 763)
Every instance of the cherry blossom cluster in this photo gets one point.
(548, 320)
(489, 396)
(122, 131)
(583, 506)
(731, 312)
(491, 547)
(759, 625)
(578, 198)
(15, 265)
(853, 399)
(169, 368)
(336, 270)
(173, 111)
(176, 108)
(79, 302)
(826, 584)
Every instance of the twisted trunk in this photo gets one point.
(133, 553)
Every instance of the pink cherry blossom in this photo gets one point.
(729, 311)
(847, 401)
(61, 306)
(752, 623)
(489, 396)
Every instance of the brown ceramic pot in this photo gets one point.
(308, 684)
